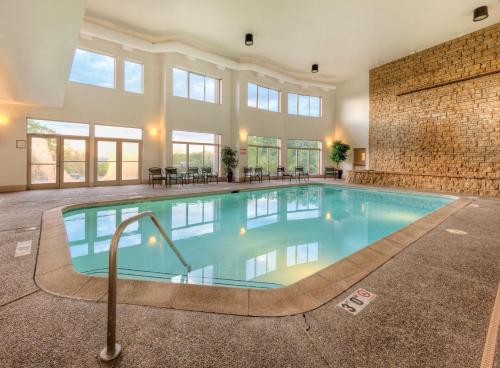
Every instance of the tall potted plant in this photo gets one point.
(339, 154)
(229, 158)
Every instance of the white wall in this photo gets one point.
(158, 112)
(233, 119)
(89, 104)
(190, 115)
(352, 114)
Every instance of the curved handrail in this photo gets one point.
(112, 349)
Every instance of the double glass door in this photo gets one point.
(117, 162)
(57, 162)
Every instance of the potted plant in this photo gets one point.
(229, 158)
(339, 154)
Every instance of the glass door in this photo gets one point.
(130, 163)
(43, 162)
(118, 162)
(106, 157)
(57, 162)
(74, 167)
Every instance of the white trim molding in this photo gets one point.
(131, 42)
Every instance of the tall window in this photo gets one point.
(93, 68)
(264, 152)
(196, 86)
(191, 149)
(263, 98)
(133, 77)
(304, 153)
(304, 105)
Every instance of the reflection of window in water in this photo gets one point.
(75, 227)
(262, 210)
(83, 242)
(200, 276)
(303, 253)
(192, 219)
(106, 222)
(127, 213)
(125, 241)
(261, 265)
(303, 204)
(79, 250)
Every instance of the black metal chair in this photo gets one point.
(331, 171)
(299, 171)
(155, 175)
(282, 173)
(260, 174)
(207, 175)
(248, 173)
(192, 174)
(171, 174)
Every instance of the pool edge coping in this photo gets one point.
(55, 274)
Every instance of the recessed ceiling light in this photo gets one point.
(314, 68)
(249, 39)
(480, 13)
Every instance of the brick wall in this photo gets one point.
(443, 135)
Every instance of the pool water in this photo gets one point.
(260, 239)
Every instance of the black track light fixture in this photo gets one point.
(249, 39)
(480, 13)
(314, 68)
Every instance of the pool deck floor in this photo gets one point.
(433, 306)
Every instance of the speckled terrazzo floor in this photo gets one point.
(432, 310)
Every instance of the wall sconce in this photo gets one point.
(153, 132)
(4, 119)
(243, 135)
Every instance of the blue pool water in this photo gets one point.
(262, 238)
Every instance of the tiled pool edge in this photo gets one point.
(55, 274)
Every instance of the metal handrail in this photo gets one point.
(112, 349)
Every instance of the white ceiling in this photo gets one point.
(343, 36)
(37, 41)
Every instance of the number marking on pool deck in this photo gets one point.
(23, 248)
(357, 301)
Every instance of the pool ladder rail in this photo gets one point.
(112, 349)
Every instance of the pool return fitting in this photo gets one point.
(112, 349)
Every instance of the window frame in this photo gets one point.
(309, 105)
(308, 149)
(116, 138)
(103, 53)
(217, 148)
(142, 75)
(268, 94)
(218, 86)
(267, 147)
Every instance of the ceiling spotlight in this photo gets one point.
(480, 13)
(315, 68)
(249, 39)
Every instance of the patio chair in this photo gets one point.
(331, 171)
(207, 174)
(248, 173)
(171, 174)
(300, 173)
(260, 174)
(192, 174)
(282, 173)
(155, 175)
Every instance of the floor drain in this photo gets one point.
(456, 232)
